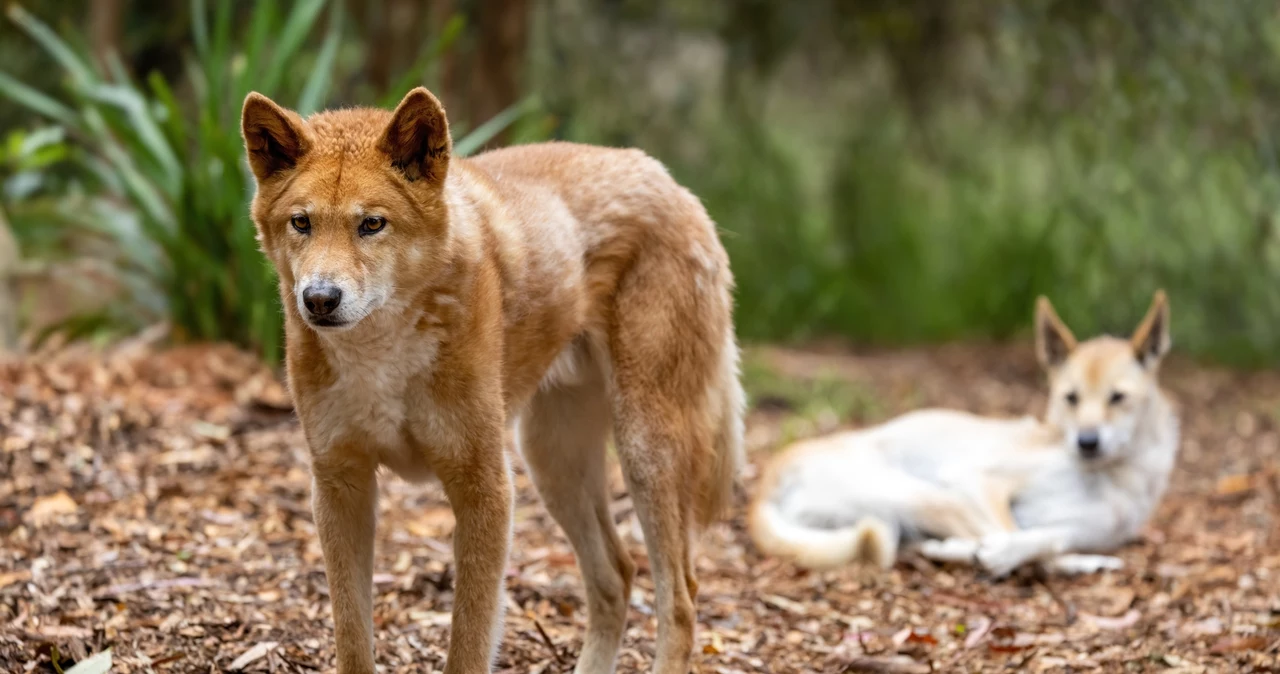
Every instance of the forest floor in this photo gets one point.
(157, 503)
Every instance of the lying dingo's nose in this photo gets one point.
(1088, 442)
(321, 298)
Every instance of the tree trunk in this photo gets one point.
(501, 41)
(105, 28)
(9, 260)
(395, 31)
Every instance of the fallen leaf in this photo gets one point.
(784, 604)
(7, 579)
(909, 635)
(1211, 626)
(1129, 619)
(1233, 485)
(97, 664)
(897, 664)
(977, 630)
(46, 509)
(64, 632)
(216, 432)
(252, 655)
(116, 590)
(1235, 644)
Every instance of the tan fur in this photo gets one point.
(992, 491)
(577, 289)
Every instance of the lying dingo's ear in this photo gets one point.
(274, 138)
(1054, 342)
(1151, 341)
(417, 139)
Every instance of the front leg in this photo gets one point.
(1002, 552)
(1073, 564)
(344, 501)
(478, 485)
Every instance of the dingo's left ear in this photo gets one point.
(1054, 342)
(417, 139)
(1151, 340)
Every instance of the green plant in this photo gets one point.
(173, 157)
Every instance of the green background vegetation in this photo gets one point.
(886, 171)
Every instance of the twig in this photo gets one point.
(173, 657)
(546, 639)
(1026, 658)
(1068, 608)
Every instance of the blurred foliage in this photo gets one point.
(163, 178)
(891, 171)
(910, 170)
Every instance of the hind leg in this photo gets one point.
(657, 480)
(669, 332)
(563, 442)
(666, 445)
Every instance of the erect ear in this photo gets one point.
(274, 138)
(417, 139)
(1151, 340)
(1054, 342)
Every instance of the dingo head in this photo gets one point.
(1100, 390)
(350, 203)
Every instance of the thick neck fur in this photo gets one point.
(1152, 451)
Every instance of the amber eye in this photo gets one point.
(301, 223)
(372, 225)
(1073, 398)
(1117, 398)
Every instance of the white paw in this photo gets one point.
(1000, 554)
(955, 550)
(1074, 564)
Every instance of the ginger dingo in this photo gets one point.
(431, 301)
(995, 492)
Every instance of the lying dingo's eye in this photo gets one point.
(372, 225)
(1117, 398)
(301, 223)
(1073, 398)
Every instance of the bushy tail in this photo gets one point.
(727, 407)
(871, 540)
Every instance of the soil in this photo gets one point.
(156, 503)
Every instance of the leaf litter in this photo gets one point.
(155, 503)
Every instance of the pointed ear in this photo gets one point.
(1151, 341)
(1054, 342)
(417, 139)
(274, 138)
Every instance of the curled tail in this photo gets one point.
(727, 405)
(870, 540)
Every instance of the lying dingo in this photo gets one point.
(995, 492)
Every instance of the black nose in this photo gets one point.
(1088, 442)
(321, 298)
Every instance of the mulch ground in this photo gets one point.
(157, 504)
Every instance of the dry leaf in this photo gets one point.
(252, 655)
(11, 577)
(897, 664)
(1129, 619)
(1233, 644)
(47, 509)
(98, 664)
(1233, 485)
(976, 631)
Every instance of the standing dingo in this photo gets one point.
(431, 301)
